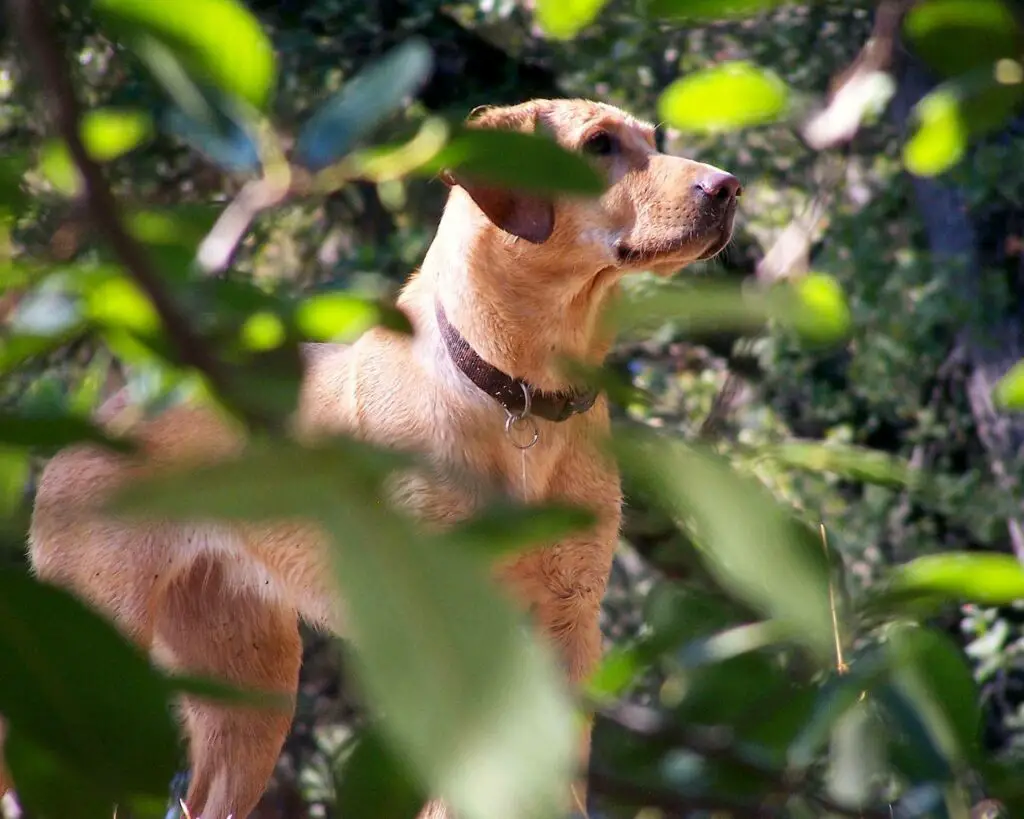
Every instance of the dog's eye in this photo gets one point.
(602, 144)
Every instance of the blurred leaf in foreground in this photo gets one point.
(729, 96)
(984, 578)
(63, 699)
(951, 115)
(217, 40)
(851, 462)
(516, 160)
(471, 700)
(372, 783)
(710, 9)
(106, 134)
(813, 306)
(564, 19)
(362, 104)
(216, 127)
(935, 675)
(50, 433)
(1009, 392)
(750, 544)
(957, 36)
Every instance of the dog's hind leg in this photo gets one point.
(212, 627)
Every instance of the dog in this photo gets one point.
(511, 284)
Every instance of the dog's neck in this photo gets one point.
(522, 308)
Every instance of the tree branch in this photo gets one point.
(30, 21)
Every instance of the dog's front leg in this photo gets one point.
(563, 586)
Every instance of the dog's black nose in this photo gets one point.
(720, 186)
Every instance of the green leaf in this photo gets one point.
(106, 134)
(820, 311)
(373, 783)
(14, 476)
(564, 19)
(936, 677)
(982, 577)
(17, 349)
(857, 756)
(48, 787)
(837, 696)
(214, 690)
(816, 310)
(951, 115)
(219, 40)
(362, 104)
(13, 196)
(468, 697)
(912, 748)
(957, 36)
(214, 125)
(750, 545)
(1009, 392)
(50, 433)
(65, 690)
(517, 161)
(726, 97)
(343, 317)
(503, 528)
(851, 462)
(710, 9)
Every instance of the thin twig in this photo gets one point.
(30, 18)
(841, 666)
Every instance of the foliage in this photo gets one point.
(780, 666)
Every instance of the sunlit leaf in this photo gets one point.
(518, 161)
(62, 698)
(106, 134)
(814, 307)
(362, 104)
(14, 475)
(343, 317)
(956, 36)
(951, 115)
(564, 19)
(940, 138)
(1009, 392)
(726, 97)
(749, 544)
(851, 462)
(977, 577)
(218, 40)
(117, 301)
(478, 710)
(821, 313)
(710, 9)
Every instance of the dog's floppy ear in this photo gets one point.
(524, 215)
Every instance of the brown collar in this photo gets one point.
(510, 392)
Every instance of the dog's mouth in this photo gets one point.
(716, 237)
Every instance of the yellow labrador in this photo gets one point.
(510, 284)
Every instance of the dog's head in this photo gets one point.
(658, 212)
